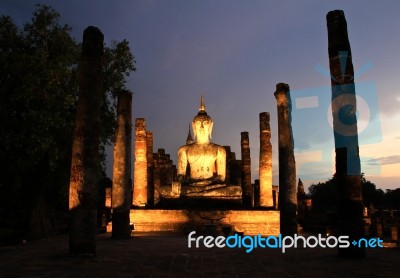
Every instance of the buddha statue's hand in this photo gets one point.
(218, 179)
(180, 178)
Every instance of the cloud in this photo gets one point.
(391, 159)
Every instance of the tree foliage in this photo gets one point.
(324, 195)
(38, 93)
(392, 199)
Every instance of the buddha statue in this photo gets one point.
(206, 160)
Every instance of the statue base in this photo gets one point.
(209, 196)
(216, 191)
(248, 222)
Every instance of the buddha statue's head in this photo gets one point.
(202, 125)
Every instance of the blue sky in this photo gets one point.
(234, 53)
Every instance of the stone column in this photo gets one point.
(156, 178)
(275, 196)
(228, 163)
(85, 147)
(379, 228)
(287, 165)
(235, 170)
(395, 231)
(174, 172)
(257, 193)
(140, 171)
(265, 163)
(150, 168)
(121, 187)
(348, 169)
(246, 169)
(169, 173)
(161, 164)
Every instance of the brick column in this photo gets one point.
(156, 178)
(85, 146)
(121, 187)
(265, 163)
(348, 167)
(150, 168)
(287, 164)
(140, 165)
(246, 169)
(228, 163)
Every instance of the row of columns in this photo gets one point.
(151, 171)
(86, 143)
(346, 147)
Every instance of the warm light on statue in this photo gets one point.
(206, 160)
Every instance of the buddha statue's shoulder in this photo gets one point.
(219, 147)
(185, 148)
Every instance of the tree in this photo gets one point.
(392, 199)
(371, 195)
(324, 195)
(38, 94)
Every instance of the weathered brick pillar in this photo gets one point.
(161, 164)
(140, 165)
(156, 178)
(235, 170)
(257, 193)
(265, 163)
(228, 163)
(169, 172)
(395, 231)
(174, 172)
(275, 196)
(121, 188)
(287, 164)
(246, 169)
(150, 168)
(85, 147)
(348, 167)
(379, 228)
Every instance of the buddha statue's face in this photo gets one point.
(202, 128)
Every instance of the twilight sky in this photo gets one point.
(234, 53)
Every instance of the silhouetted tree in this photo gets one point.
(38, 93)
(392, 199)
(371, 195)
(324, 195)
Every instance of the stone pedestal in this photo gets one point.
(248, 222)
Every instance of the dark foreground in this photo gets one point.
(169, 256)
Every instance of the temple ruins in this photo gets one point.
(208, 186)
(210, 190)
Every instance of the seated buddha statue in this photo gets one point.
(206, 160)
